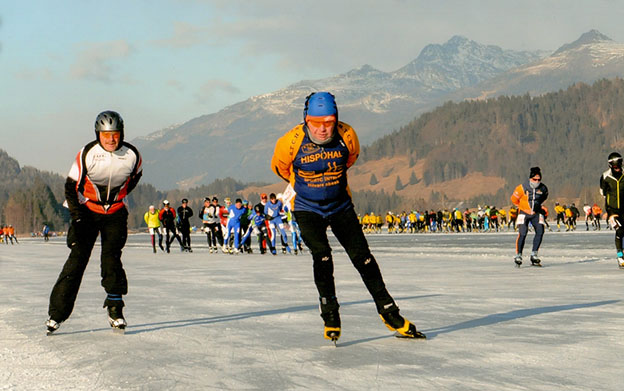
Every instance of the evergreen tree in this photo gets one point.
(398, 185)
(413, 180)
(373, 180)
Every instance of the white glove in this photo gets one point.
(614, 222)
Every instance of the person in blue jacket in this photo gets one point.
(235, 212)
(258, 225)
(313, 158)
(274, 211)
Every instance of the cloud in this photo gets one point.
(212, 88)
(184, 35)
(26, 73)
(176, 85)
(97, 61)
(335, 36)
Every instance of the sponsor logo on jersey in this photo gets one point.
(310, 148)
(321, 155)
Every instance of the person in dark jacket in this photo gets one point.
(529, 198)
(184, 214)
(612, 189)
(168, 217)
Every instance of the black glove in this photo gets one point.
(80, 218)
(79, 214)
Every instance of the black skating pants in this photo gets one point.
(170, 234)
(523, 229)
(346, 228)
(186, 235)
(81, 237)
(619, 233)
(215, 235)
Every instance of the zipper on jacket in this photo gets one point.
(110, 179)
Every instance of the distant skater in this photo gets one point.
(612, 189)
(529, 198)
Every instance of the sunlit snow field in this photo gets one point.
(204, 321)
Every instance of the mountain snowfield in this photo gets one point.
(205, 321)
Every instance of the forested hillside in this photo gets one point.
(567, 133)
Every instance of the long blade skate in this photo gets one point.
(118, 325)
(116, 320)
(408, 330)
(52, 326)
(332, 333)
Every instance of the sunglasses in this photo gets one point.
(319, 123)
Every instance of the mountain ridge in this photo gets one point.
(240, 138)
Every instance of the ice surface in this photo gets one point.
(204, 321)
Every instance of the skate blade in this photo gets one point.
(419, 335)
(332, 333)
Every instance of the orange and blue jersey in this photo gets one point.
(529, 200)
(317, 173)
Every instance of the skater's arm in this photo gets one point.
(71, 196)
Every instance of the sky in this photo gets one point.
(163, 62)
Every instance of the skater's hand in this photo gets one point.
(79, 214)
(613, 221)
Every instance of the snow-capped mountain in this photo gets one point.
(591, 57)
(238, 140)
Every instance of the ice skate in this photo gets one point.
(535, 261)
(116, 319)
(518, 260)
(52, 326)
(403, 327)
(332, 326)
(621, 262)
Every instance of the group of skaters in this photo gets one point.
(313, 158)
(7, 234)
(480, 219)
(228, 228)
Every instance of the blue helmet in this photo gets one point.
(320, 104)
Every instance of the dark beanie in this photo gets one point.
(535, 171)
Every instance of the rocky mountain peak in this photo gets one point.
(592, 36)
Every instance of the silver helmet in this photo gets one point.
(109, 121)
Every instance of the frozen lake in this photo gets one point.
(205, 321)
